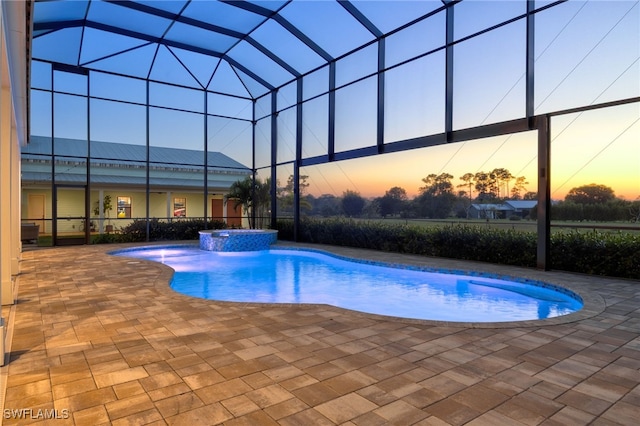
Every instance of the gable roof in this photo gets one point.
(118, 164)
(110, 153)
(522, 204)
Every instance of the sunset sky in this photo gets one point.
(593, 147)
(574, 68)
(586, 53)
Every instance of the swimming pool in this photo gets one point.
(306, 276)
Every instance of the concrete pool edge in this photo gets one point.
(593, 304)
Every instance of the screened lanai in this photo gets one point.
(321, 100)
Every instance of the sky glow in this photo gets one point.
(586, 53)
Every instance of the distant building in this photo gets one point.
(521, 208)
(504, 210)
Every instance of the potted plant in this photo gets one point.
(106, 211)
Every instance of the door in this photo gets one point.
(216, 209)
(234, 214)
(70, 215)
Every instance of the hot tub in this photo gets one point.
(237, 239)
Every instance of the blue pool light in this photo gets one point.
(303, 276)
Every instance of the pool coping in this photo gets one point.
(593, 303)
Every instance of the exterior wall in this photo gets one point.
(487, 213)
(498, 211)
(37, 180)
(70, 207)
(45, 225)
(71, 204)
(13, 119)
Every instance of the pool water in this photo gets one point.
(301, 276)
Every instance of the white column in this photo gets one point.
(13, 94)
(169, 208)
(6, 283)
(16, 198)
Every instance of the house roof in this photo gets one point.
(110, 153)
(490, 207)
(218, 182)
(507, 205)
(522, 204)
(117, 164)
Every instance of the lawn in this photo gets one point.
(519, 225)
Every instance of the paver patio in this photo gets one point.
(96, 339)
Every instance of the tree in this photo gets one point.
(286, 194)
(437, 184)
(241, 192)
(634, 210)
(467, 182)
(519, 187)
(436, 199)
(590, 194)
(483, 186)
(251, 196)
(435, 206)
(326, 205)
(106, 207)
(352, 203)
(502, 177)
(393, 201)
(465, 197)
(262, 201)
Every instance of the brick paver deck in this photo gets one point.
(103, 340)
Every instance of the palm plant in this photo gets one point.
(253, 197)
(241, 192)
(262, 200)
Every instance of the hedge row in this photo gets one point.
(184, 229)
(597, 253)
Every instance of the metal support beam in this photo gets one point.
(54, 205)
(361, 17)
(254, 174)
(530, 66)
(147, 164)
(381, 95)
(332, 112)
(87, 187)
(206, 161)
(274, 157)
(544, 192)
(448, 107)
(296, 164)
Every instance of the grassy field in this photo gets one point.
(519, 225)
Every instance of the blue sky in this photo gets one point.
(586, 53)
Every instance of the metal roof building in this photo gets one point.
(170, 168)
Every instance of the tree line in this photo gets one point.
(438, 198)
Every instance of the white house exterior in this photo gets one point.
(504, 210)
(119, 171)
(521, 208)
